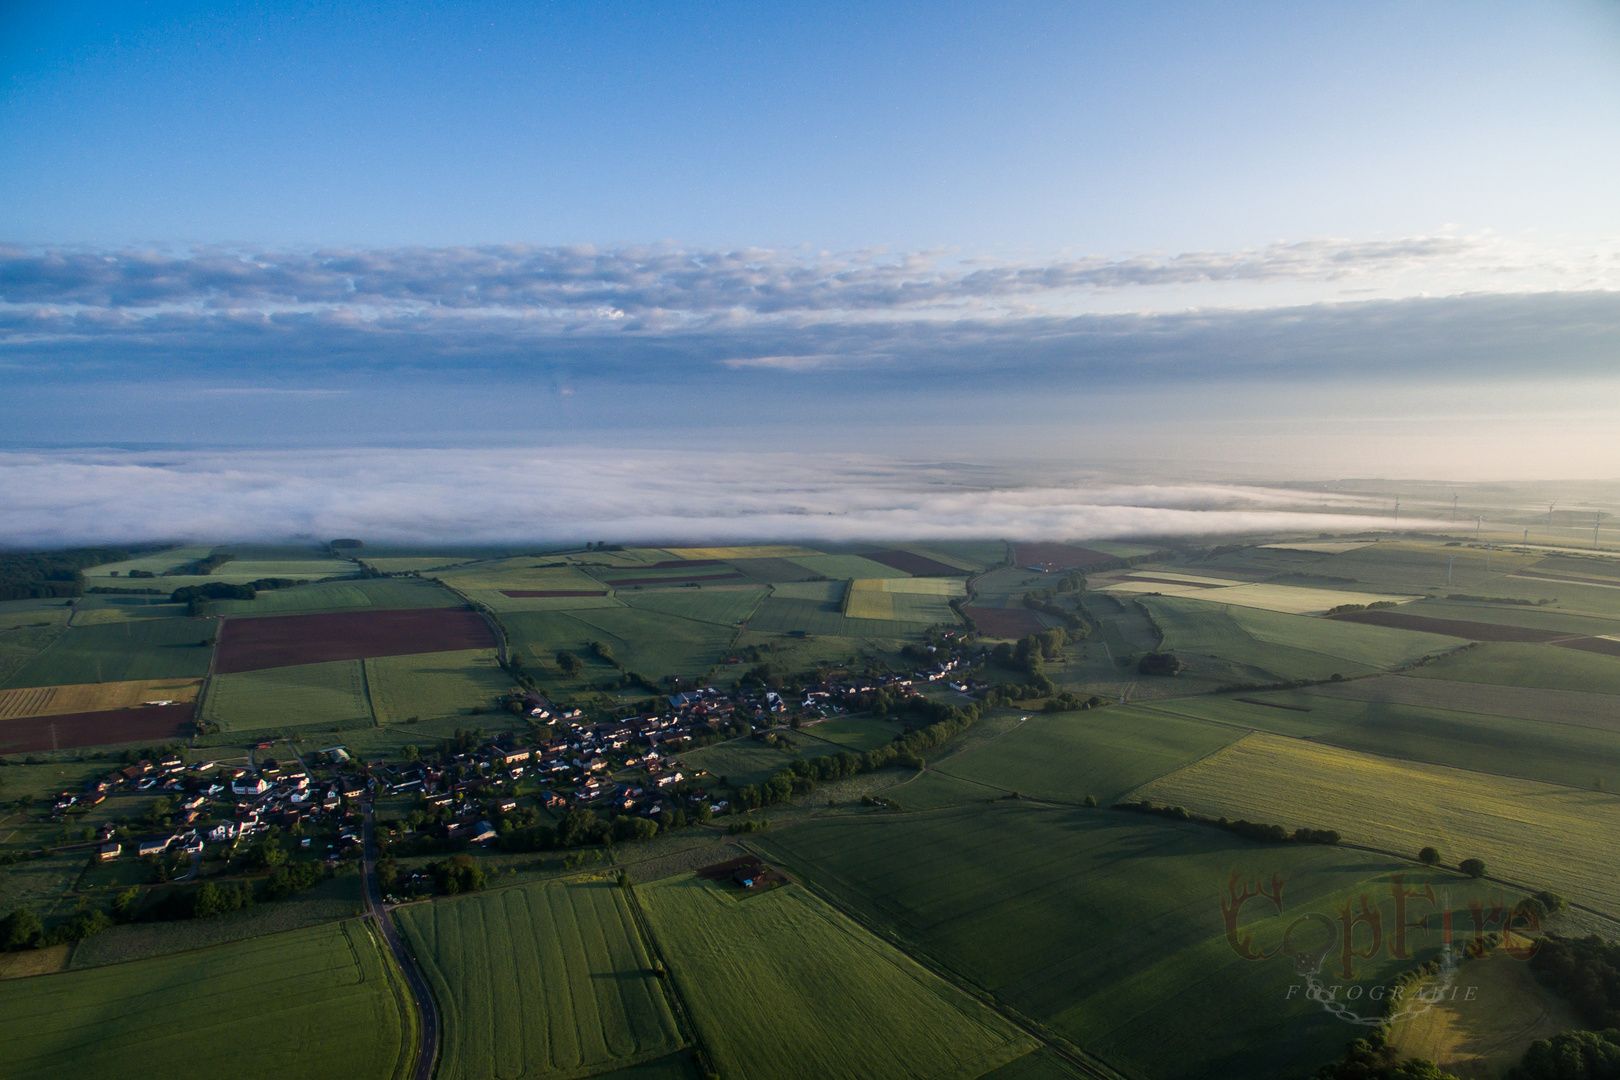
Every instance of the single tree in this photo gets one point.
(1474, 868)
(1429, 856)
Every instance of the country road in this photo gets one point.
(425, 1006)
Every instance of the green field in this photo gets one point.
(384, 594)
(786, 616)
(781, 985)
(651, 642)
(820, 591)
(1568, 754)
(748, 761)
(25, 639)
(1535, 834)
(1540, 618)
(1511, 664)
(269, 1007)
(847, 566)
(1286, 646)
(1102, 752)
(122, 652)
(332, 694)
(1103, 926)
(93, 610)
(727, 607)
(433, 685)
(541, 980)
(855, 733)
(981, 554)
(1525, 703)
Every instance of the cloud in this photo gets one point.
(467, 497)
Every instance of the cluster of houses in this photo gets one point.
(213, 803)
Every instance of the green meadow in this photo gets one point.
(331, 694)
(269, 1007)
(123, 652)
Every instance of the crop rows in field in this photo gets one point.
(1102, 752)
(781, 985)
(144, 649)
(541, 980)
(318, 695)
(269, 1006)
(104, 728)
(1524, 703)
(93, 697)
(1106, 927)
(1538, 834)
(431, 685)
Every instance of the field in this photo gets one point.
(904, 599)
(1104, 752)
(651, 642)
(156, 563)
(494, 960)
(855, 734)
(1544, 666)
(1286, 646)
(93, 697)
(379, 593)
(1537, 617)
(920, 565)
(94, 610)
(122, 652)
(332, 694)
(1010, 623)
(785, 615)
(1525, 703)
(253, 644)
(65, 732)
(748, 551)
(430, 685)
(1538, 835)
(1055, 557)
(723, 607)
(1482, 1038)
(1103, 926)
(1567, 754)
(858, 1006)
(747, 761)
(270, 1006)
(847, 566)
(1290, 599)
(1468, 631)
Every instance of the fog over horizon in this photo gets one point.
(468, 497)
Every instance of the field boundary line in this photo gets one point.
(672, 990)
(1086, 1062)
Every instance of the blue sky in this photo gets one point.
(1259, 240)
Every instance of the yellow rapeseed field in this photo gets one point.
(1536, 834)
(751, 551)
(1291, 599)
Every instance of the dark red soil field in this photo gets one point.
(1472, 631)
(622, 582)
(1059, 557)
(1005, 622)
(520, 594)
(1592, 644)
(283, 640)
(915, 565)
(157, 723)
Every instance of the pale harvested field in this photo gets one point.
(1537, 834)
(93, 697)
(753, 551)
(1481, 1039)
(1166, 576)
(1290, 599)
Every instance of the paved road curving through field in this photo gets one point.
(428, 1055)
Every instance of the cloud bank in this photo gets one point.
(467, 497)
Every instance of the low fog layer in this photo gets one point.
(468, 496)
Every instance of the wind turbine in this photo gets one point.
(1549, 519)
(1595, 523)
(1397, 510)
(1454, 507)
